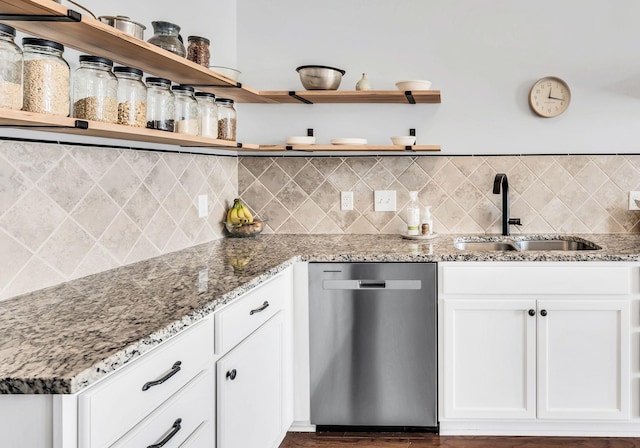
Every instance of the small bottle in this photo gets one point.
(427, 221)
(226, 119)
(364, 83)
(413, 214)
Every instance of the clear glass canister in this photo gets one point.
(132, 97)
(46, 77)
(167, 35)
(198, 50)
(161, 108)
(10, 69)
(95, 90)
(208, 114)
(187, 114)
(226, 119)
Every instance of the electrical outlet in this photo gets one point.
(384, 201)
(634, 200)
(346, 200)
(203, 206)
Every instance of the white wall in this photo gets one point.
(482, 55)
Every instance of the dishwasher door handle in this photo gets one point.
(351, 285)
(372, 284)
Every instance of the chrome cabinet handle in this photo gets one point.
(232, 374)
(257, 310)
(174, 430)
(175, 369)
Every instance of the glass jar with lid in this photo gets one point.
(226, 119)
(208, 114)
(95, 90)
(10, 69)
(198, 50)
(46, 77)
(187, 114)
(167, 35)
(132, 97)
(160, 104)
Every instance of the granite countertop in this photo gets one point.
(61, 339)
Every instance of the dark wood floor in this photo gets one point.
(394, 440)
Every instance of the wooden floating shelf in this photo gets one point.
(66, 125)
(400, 148)
(96, 38)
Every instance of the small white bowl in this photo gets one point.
(415, 84)
(404, 140)
(301, 140)
(229, 72)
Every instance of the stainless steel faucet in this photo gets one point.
(501, 182)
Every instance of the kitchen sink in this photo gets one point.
(484, 246)
(559, 244)
(556, 245)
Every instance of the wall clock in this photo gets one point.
(549, 96)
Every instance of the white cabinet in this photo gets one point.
(557, 352)
(250, 390)
(254, 384)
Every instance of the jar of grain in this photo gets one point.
(132, 97)
(10, 69)
(46, 77)
(95, 90)
(160, 104)
(198, 50)
(208, 114)
(226, 119)
(187, 114)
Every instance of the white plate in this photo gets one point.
(349, 141)
(415, 84)
(420, 237)
(302, 140)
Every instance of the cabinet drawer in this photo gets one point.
(188, 411)
(242, 317)
(115, 405)
(540, 278)
(203, 437)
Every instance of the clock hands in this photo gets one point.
(554, 97)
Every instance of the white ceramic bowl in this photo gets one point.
(302, 140)
(230, 73)
(416, 84)
(404, 140)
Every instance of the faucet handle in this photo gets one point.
(515, 221)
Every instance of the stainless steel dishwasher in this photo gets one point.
(373, 345)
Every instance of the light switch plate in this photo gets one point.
(384, 200)
(203, 206)
(633, 197)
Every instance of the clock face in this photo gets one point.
(549, 97)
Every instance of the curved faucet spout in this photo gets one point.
(502, 183)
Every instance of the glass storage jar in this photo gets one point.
(160, 104)
(167, 35)
(10, 69)
(208, 114)
(95, 90)
(198, 50)
(46, 77)
(226, 119)
(186, 110)
(132, 97)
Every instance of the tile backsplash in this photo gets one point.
(71, 211)
(567, 194)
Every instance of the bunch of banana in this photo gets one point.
(239, 213)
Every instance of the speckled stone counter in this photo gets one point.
(61, 339)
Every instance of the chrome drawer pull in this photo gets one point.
(175, 369)
(174, 430)
(257, 310)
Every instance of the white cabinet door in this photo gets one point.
(250, 389)
(489, 355)
(583, 359)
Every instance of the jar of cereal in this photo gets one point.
(95, 90)
(10, 69)
(132, 97)
(46, 77)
